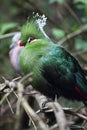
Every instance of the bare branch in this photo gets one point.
(57, 109)
(72, 35)
(7, 35)
(74, 15)
(60, 117)
(30, 112)
(34, 116)
(50, 106)
(76, 114)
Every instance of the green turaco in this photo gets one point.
(55, 70)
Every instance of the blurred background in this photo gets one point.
(64, 17)
(66, 26)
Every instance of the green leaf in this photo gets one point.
(7, 26)
(58, 33)
(59, 1)
(82, 1)
(80, 44)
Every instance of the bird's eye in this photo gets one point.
(31, 39)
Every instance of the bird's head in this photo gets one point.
(33, 30)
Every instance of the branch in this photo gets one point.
(30, 112)
(79, 52)
(72, 35)
(60, 116)
(33, 115)
(7, 35)
(76, 114)
(25, 84)
(57, 109)
(74, 15)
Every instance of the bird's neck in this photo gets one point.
(44, 34)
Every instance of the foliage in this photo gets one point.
(82, 1)
(80, 44)
(58, 33)
(6, 27)
(59, 1)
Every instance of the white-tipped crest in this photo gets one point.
(41, 21)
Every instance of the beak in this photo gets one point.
(20, 43)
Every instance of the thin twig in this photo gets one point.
(76, 114)
(78, 127)
(54, 106)
(34, 116)
(74, 15)
(79, 52)
(59, 114)
(4, 97)
(7, 35)
(72, 35)
(26, 77)
(57, 109)
(9, 105)
(30, 112)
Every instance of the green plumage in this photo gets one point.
(55, 71)
(30, 29)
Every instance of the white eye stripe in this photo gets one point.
(28, 39)
(34, 40)
(31, 39)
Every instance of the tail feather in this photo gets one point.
(81, 87)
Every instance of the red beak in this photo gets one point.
(20, 43)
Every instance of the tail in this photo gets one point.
(81, 87)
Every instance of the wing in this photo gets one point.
(63, 71)
(59, 67)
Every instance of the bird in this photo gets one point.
(14, 52)
(55, 71)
